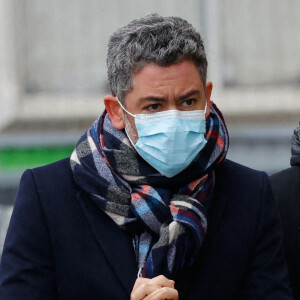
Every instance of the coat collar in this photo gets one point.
(115, 243)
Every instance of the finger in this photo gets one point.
(143, 290)
(138, 287)
(139, 281)
(162, 281)
(144, 286)
(163, 293)
(173, 282)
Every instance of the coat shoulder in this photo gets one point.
(243, 188)
(55, 184)
(57, 176)
(58, 171)
(291, 172)
(286, 183)
(235, 173)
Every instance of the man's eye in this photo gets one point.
(189, 102)
(153, 107)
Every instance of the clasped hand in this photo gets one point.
(157, 288)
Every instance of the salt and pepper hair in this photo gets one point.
(151, 39)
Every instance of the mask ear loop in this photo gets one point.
(127, 123)
(205, 106)
(125, 108)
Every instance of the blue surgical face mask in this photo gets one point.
(169, 140)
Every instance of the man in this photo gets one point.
(148, 207)
(286, 188)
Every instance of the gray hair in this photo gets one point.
(151, 39)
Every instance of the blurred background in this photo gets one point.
(53, 76)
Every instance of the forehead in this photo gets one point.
(174, 77)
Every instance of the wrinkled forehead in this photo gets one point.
(154, 81)
(151, 73)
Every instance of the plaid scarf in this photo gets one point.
(295, 159)
(165, 216)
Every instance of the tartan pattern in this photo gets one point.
(166, 216)
(295, 159)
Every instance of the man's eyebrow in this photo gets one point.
(162, 99)
(152, 98)
(189, 94)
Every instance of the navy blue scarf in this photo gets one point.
(165, 216)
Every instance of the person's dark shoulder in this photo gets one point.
(286, 184)
(244, 188)
(58, 173)
(291, 172)
(54, 182)
(230, 172)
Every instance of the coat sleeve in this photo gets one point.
(267, 276)
(27, 267)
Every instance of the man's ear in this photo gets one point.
(208, 90)
(115, 111)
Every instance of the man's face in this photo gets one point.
(156, 89)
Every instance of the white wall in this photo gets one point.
(9, 84)
(52, 53)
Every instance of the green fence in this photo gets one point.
(14, 159)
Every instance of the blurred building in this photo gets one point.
(53, 75)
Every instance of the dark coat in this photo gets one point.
(59, 245)
(286, 188)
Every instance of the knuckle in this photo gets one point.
(139, 280)
(161, 277)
